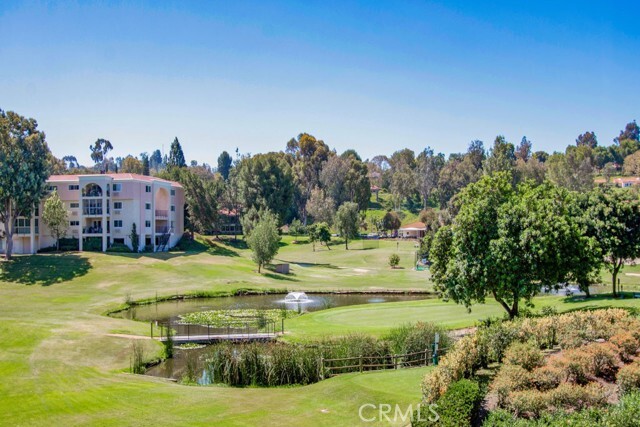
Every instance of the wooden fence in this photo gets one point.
(371, 363)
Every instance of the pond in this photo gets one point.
(176, 367)
(170, 310)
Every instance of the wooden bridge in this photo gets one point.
(181, 333)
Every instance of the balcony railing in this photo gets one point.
(92, 211)
(92, 230)
(25, 230)
(162, 212)
(163, 230)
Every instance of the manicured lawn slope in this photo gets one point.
(59, 366)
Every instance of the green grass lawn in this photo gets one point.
(58, 365)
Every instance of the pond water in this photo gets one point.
(176, 367)
(170, 310)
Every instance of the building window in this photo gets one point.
(74, 205)
(118, 241)
(173, 192)
(117, 205)
(74, 187)
(37, 211)
(171, 224)
(147, 224)
(52, 188)
(147, 189)
(147, 206)
(117, 223)
(117, 187)
(74, 223)
(173, 208)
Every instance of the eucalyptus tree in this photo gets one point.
(347, 221)
(99, 151)
(24, 169)
(55, 216)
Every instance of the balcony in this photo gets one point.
(25, 230)
(92, 230)
(92, 211)
(163, 230)
(160, 213)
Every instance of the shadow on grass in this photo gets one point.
(44, 270)
(276, 276)
(310, 264)
(194, 247)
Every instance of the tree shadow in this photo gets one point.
(310, 264)
(280, 277)
(194, 247)
(44, 270)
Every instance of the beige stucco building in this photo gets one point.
(105, 207)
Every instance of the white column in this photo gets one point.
(153, 215)
(81, 220)
(104, 218)
(32, 233)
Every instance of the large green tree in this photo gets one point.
(319, 232)
(176, 156)
(264, 240)
(347, 220)
(505, 243)
(427, 173)
(266, 182)
(99, 151)
(24, 169)
(308, 155)
(54, 215)
(322, 208)
(615, 215)
(225, 162)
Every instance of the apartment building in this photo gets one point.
(103, 208)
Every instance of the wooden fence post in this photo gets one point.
(360, 363)
(321, 368)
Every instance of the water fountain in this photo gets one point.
(296, 297)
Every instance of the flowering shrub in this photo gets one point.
(527, 403)
(626, 343)
(546, 377)
(459, 362)
(510, 378)
(527, 355)
(628, 378)
(603, 359)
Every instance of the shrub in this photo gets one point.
(626, 413)
(603, 359)
(573, 364)
(576, 397)
(527, 355)
(460, 361)
(119, 248)
(627, 344)
(92, 244)
(628, 378)
(527, 403)
(510, 378)
(546, 377)
(494, 339)
(459, 405)
(413, 338)
(394, 260)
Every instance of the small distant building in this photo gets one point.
(415, 230)
(626, 181)
(229, 222)
(375, 189)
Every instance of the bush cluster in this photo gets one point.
(628, 378)
(457, 407)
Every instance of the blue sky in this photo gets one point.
(374, 76)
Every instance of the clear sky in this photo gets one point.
(374, 76)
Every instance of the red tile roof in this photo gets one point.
(116, 176)
(414, 225)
